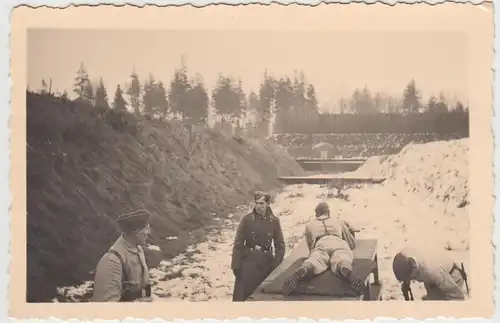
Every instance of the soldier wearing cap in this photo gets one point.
(442, 278)
(253, 259)
(330, 242)
(122, 274)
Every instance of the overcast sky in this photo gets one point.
(336, 62)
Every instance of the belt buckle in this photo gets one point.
(258, 248)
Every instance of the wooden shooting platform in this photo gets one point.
(327, 286)
(329, 179)
(330, 164)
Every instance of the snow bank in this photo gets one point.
(437, 170)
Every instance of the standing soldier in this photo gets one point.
(253, 258)
(122, 274)
(443, 279)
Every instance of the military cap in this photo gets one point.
(259, 194)
(134, 220)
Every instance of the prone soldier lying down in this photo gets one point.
(331, 243)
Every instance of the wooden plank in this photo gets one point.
(328, 180)
(258, 296)
(331, 159)
(337, 162)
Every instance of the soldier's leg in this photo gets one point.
(341, 264)
(315, 264)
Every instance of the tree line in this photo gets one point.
(291, 101)
(362, 101)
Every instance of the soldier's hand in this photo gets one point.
(405, 288)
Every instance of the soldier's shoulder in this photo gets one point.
(275, 218)
(247, 216)
(109, 262)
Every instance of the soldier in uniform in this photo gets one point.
(443, 279)
(253, 259)
(331, 243)
(122, 274)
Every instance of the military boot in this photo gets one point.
(292, 281)
(357, 284)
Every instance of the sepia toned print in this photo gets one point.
(244, 165)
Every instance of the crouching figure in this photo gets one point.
(442, 277)
(331, 244)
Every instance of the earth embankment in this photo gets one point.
(86, 165)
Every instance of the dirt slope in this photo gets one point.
(85, 166)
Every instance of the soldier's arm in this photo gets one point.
(279, 242)
(308, 236)
(108, 279)
(351, 229)
(445, 283)
(239, 242)
(348, 236)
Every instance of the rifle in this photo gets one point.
(464, 275)
(405, 288)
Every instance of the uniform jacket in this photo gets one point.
(433, 269)
(108, 277)
(261, 230)
(322, 225)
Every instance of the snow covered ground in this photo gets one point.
(423, 202)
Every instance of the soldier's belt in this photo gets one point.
(321, 237)
(257, 247)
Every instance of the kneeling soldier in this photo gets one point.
(443, 279)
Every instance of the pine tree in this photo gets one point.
(101, 96)
(80, 82)
(88, 93)
(432, 104)
(266, 98)
(149, 97)
(199, 101)
(161, 99)
(134, 92)
(411, 98)
(178, 96)
(119, 102)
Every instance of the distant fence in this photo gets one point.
(451, 122)
(350, 145)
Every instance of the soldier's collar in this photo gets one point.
(323, 217)
(265, 216)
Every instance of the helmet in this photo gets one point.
(402, 267)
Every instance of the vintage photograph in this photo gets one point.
(252, 165)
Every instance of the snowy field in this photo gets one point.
(423, 202)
